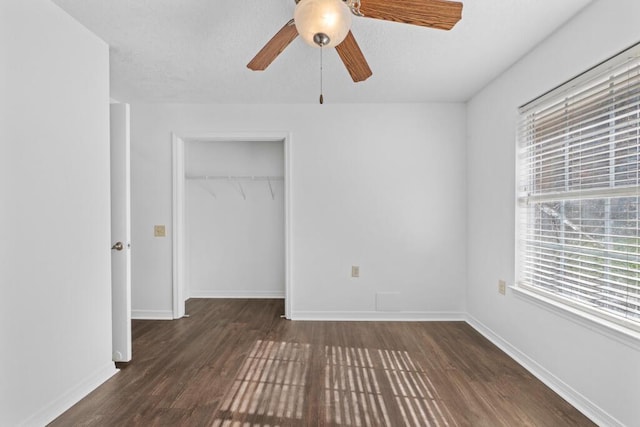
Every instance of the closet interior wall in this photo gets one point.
(235, 219)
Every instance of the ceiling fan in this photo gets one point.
(327, 23)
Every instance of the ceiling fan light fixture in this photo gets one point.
(322, 23)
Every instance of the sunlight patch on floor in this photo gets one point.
(271, 381)
(415, 394)
(353, 396)
(270, 388)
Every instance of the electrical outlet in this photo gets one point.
(502, 287)
(159, 231)
(355, 271)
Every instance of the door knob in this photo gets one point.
(118, 246)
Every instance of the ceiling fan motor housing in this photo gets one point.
(321, 39)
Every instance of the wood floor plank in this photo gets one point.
(237, 363)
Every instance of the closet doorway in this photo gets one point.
(231, 222)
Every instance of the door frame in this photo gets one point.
(179, 207)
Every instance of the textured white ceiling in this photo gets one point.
(197, 51)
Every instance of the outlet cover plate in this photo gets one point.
(502, 287)
(355, 271)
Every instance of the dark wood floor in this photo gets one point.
(237, 363)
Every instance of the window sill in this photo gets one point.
(611, 330)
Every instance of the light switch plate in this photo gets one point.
(159, 231)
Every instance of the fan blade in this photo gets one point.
(441, 14)
(274, 47)
(353, 59)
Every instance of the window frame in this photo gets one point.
(573, 309)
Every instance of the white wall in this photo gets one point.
(379, 186)
(55, 310)
(598, 373)
(235, 244)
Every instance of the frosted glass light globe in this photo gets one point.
(330, 17)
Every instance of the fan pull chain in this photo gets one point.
(321, 96)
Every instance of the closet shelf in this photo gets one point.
(234, 178)
(235, 181)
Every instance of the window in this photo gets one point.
(579, 192)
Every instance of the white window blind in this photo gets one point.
(579, 192)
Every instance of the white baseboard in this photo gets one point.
(69, 398)
(577, 400)
(152, 314)
(236, 294)
(379, 316)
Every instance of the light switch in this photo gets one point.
(159, 231)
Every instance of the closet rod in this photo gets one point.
(234, 178)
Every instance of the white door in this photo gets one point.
(120, 233)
